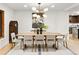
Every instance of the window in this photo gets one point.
(1, 23)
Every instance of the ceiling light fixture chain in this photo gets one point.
(39, 7)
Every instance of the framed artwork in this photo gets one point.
(36, 22)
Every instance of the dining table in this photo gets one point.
(44, 33)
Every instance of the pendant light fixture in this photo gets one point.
(39, 11)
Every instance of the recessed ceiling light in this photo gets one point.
(53, 6)
(25, 5)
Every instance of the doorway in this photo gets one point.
(74, 26)
(13, 27)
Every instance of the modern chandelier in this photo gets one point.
(39, 11)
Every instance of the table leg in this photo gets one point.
(22, 44)
(56, 44)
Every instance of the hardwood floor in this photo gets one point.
(73, 44)
(4, 50)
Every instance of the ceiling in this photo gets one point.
(58, 6)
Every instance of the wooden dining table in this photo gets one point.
(32, 33)
(44, 33)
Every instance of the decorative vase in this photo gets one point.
(37, 31)
(41, 30)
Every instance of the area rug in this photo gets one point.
(51, 51)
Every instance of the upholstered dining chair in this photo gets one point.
(14, 39)
(17, 40)
(21, 39)
(62, 39)
(28, 41)
(39, 40)
(50, 40)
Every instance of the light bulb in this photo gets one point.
(44, 15)
(38, 16)
(33, 8)
(34, 15)
(37, 11)
(46, 9)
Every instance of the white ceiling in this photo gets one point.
(58, 6)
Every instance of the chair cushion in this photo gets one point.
(60, 37)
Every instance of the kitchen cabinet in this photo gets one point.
(74, 19)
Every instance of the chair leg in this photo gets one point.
(43, 47)
(39, 48)
(32, 47)
(25, 46)
(12, 45)
(56, 45)
(46, 46)
(53, 45)
(66, 45)
(35, 47)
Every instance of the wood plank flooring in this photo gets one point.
(7, 48)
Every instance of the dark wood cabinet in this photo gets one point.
(74, 19)
(13, 27)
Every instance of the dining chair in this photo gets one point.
(28, 41)
(62, 39)
(50, 40)
(14, 39)
(21, 38)
(39, 40)
(18, 40)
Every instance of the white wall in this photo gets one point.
(8, 15)
(62, 22)
(24, 19)
(57, 21)
(51, 21)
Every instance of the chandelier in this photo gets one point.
(39, 11)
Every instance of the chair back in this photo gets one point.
(13, 37)
(39, 37)
(50, 37)
(28, 37)
(60, 38)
